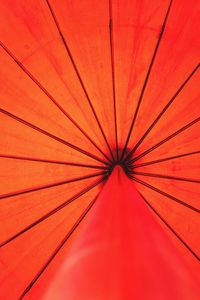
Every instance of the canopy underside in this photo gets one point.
(85, 86)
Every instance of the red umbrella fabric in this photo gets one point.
(100, 145)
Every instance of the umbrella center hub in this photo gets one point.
(123, 164)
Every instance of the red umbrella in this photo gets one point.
(99, 152)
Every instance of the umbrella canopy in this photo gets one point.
(100, 148)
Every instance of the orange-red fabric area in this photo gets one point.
(71, 76)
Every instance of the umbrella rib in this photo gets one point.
(171, 229)
(58, 248)
(164, 159)
(52, 212)
(113, 75)
(160, 115)
(166, 139)
(51, 161)
(78, 74)
(147, 78)
(43, 89)
(44, 132)
(166, 176)
(47, 186)
(153, 188)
